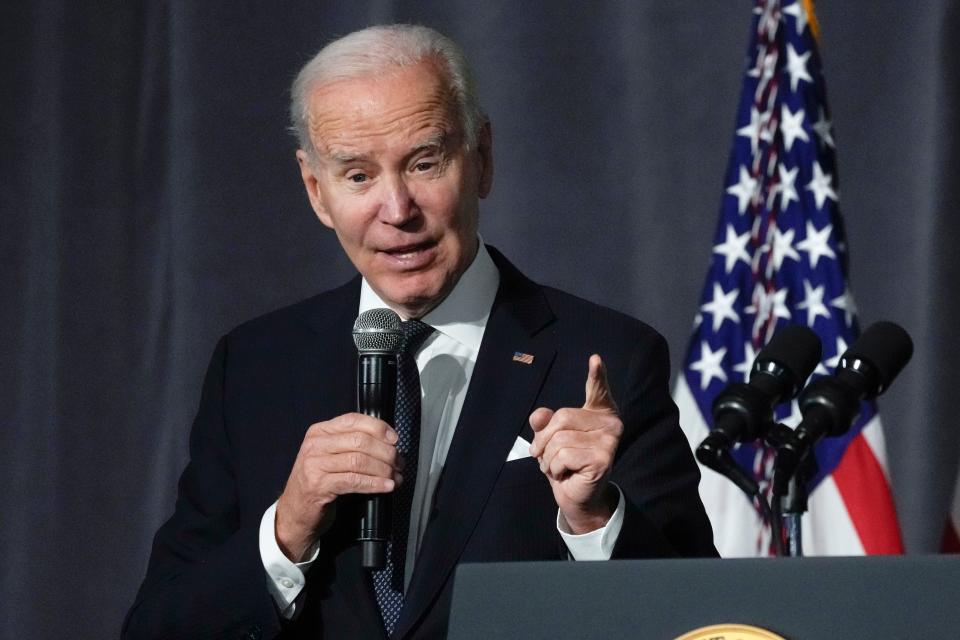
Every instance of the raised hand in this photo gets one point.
(576, 447)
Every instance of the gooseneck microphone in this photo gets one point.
(831, 404)
(744, 411)
(377, 335)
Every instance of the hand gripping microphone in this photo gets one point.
(831, 404)
(744, 412)
(377, 335)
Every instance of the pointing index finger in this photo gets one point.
(598, 394)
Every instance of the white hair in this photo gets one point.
(376, 50)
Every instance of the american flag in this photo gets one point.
(951, 534)
(780, 257)
(525, 358)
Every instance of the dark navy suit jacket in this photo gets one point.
(271, 378)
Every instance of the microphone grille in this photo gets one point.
(887, 347)
(377, 330)
(796, 348)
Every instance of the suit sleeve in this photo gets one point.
(205, 578)
(655, 469)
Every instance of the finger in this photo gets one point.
(539, 420)
(598, 394)
(561, 440)
(357, 422)
(602, 443)
(574, 420)
(353, 461)
(569, 461)
(359, 442)
(351, 482)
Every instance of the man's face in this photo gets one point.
(395, 182)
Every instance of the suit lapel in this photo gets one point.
(494, 413)
(328, 382)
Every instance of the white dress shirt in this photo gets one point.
(445, 361)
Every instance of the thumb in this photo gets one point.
(598, 394)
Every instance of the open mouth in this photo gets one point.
(411, 256)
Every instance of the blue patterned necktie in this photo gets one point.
(388, 582)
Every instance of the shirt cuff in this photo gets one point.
(597, 544)
(285, 579)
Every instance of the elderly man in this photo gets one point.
(541, 427)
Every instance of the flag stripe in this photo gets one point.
(951, 539)
(863, 487)
(827, 527)
(951, 532)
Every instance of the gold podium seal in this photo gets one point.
(730, 632)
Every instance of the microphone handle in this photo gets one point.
(376, 397)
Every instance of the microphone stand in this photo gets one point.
(790, 504)
(793, 505)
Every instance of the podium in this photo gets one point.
(797, 598)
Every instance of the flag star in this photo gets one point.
(816, 243)
(749, 355)
(697, 320)
(846, 303)
(813, 302)
(779, 301)
(786, 188)
(721, 307)
(733, 248)
(783, 247)
(709, 365)
(797, 11)
(821, 185)
(791, 126)
(745, 189)
(797, 67)
(752, 130)
(835, 360)
(823, 128)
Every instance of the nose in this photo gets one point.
(397, 205)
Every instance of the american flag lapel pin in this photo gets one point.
(525, 358)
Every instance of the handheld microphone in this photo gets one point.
(831, 404)
(377, 334)
(744, 412)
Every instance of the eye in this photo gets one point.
(357, 178)
(424, 165)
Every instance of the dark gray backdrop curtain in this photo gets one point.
(149, 201)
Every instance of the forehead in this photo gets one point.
(396, 107)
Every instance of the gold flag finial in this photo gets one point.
(812, 19)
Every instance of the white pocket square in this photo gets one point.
(520, 449)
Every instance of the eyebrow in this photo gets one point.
(435, 141)
(347, 158)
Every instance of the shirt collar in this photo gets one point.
(463, 314)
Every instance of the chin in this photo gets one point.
(417, 298)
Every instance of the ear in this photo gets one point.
(312, 185)
(485, 153)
